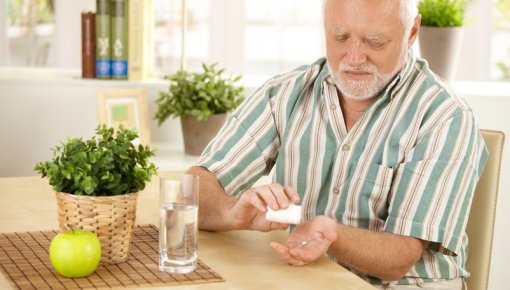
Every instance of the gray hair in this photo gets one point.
(408, 12)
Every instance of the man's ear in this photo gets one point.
(414, 30)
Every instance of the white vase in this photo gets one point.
(440, 46)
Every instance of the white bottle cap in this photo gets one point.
(290, 215)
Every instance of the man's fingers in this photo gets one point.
(280, 195)
(256, 200)
(261, 198)
(280, 249)
(330, 236)
(284, 195)
(286, 254)
(305, 255)
(295, 262)
(278, 226)
(292, 195)
(274, 195)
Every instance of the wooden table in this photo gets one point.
(242, 258)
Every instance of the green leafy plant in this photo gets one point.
(442, 13)
(501, 15)
(504, 68)
(103, 166)
(199, 95)
(19, 12)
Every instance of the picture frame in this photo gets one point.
(127, 107)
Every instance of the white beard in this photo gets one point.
(364, 89)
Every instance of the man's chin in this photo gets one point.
(360, 93)
(358, 97)
(355, 91)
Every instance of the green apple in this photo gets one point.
(75, 253)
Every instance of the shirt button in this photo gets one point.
(336, 190)
(346, 147)
(333, 107)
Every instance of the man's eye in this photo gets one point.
(341, 38)
(375, 45)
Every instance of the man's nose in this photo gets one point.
(355, 54)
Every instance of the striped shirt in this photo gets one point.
(408, 166)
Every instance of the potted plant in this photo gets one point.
(202, 101)
(97, 183)
(441, 34)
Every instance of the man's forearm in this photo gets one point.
(379, 254)
(213, 201)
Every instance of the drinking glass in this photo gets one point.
(178, 227)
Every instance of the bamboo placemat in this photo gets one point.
(25, 262)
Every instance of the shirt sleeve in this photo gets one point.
(246, 146)
(433, 189)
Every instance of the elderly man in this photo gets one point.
(380, 153)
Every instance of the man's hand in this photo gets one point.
(219, 211)
(307, 242)
(249, 211)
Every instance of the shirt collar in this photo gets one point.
(402, 77)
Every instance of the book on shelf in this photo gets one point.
(141, 39)
(103, 33)
(119, 39)
(124, 39)
(88, 45)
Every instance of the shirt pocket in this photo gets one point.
(379, 175)
(375, 192)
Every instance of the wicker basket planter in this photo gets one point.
(111, 217)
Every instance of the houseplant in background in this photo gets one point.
(504, 68)
(97, 183)
(202, 101)
(441, 34)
